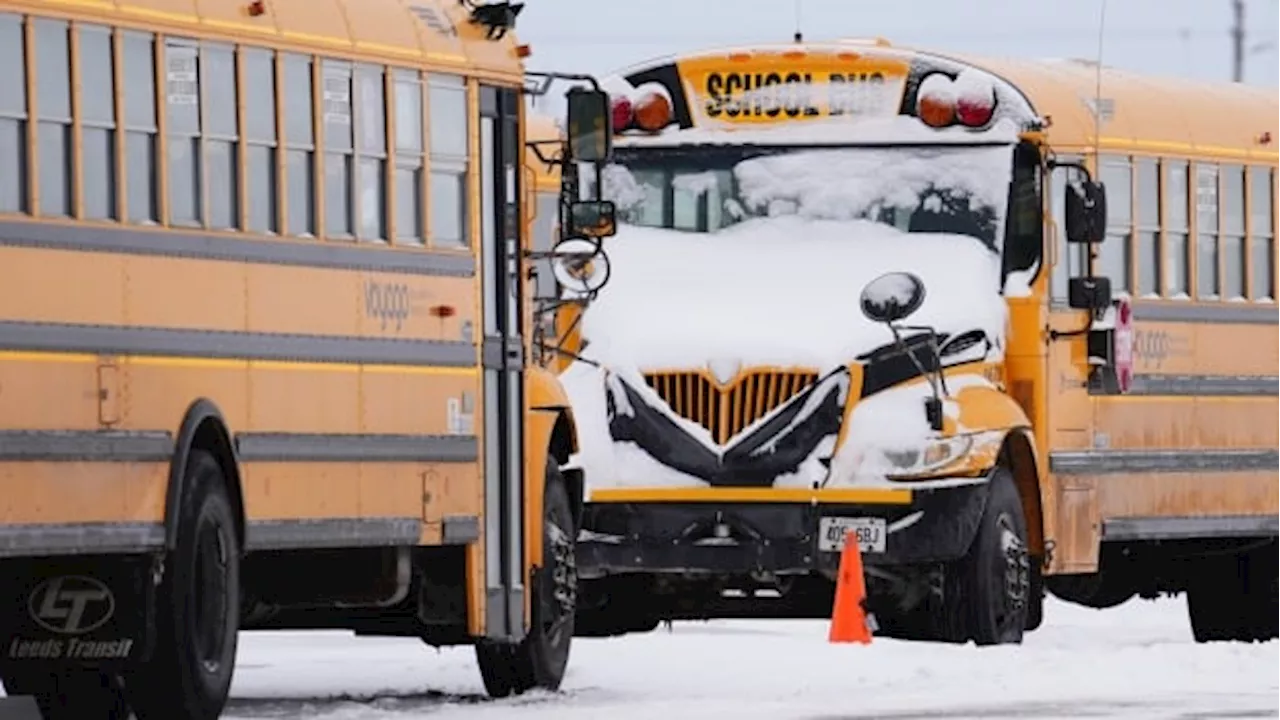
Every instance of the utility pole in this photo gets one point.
(1237, 41)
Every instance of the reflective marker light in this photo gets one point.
(653, 111)
(969, 100)
(621, 113)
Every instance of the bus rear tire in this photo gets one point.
(1234, 597)
(988, 590)
(197, 607)
(540, 660)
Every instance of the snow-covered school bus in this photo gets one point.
(264, 346)
(1012, 323)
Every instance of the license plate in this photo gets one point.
(869, 531)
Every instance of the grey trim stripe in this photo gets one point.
(107, 340)
(460, 529)
(290, 447)
(85, 445)
(1103, 462)
(1186, 527)
(232, 248)
(1206, 385)
(80, 539)
(1176, 311)
(332, 533)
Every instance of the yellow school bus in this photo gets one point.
(263, 345)
(1011, 324)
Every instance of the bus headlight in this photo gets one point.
(911, 463)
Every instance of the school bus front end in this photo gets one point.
(805, 332)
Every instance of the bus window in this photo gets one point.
(447, 103)
(409, 147)
(140, 129)
(1177, 245)
(53, 107)
(1071, 259)
(97, 123)
(338, 149)
(260, 140)
(221, 139)
(182, 81)
(1233, 255)
(1147, 257)
(1113, 255)
(1207, 231)
(1262, 237)
(300, 148)
(372, 153)
(13, 115)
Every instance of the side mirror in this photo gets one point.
(590, 123)
(1086, 211)
(1089, 293)
(892, 297)
(592, 218)
(580, 265)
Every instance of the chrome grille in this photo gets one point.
(724, 410)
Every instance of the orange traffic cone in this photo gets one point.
(848, 617)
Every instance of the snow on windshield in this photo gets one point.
(927, 189)
(777, 291)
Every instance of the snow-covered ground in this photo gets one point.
(1135, 661)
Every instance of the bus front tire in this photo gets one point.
(988, 591)
(197, 607)
(539, 661)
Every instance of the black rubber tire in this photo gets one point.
(540, 660)
(1035, 603)
(70, 694)
(1234, 597)
(197, 607)
(987, 591)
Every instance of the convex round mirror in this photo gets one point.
(892, 297)
(580, 265)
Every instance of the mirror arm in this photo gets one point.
(936, 379)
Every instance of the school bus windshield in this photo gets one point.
(952, 189)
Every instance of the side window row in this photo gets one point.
(390, 162)
(1181, 229)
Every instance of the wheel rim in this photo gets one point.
(560, 589)
(210, 584)
(1013, 566)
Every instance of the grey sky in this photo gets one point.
(1186, 38)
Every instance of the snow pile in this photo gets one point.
(777, 291)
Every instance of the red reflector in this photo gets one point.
(443, 311)
(621, 113)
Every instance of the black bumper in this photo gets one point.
(779, 538)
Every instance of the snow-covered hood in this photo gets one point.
(780, 291)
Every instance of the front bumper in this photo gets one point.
(721, 533)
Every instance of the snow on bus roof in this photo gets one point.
(896, 130)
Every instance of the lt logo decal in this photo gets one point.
(71, 604)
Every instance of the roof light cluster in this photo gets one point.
(968, 100)
(647, 108)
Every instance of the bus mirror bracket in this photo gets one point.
(1085, 204)
(592, 219)
(1089, 293)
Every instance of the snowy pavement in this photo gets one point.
(1135, 661)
